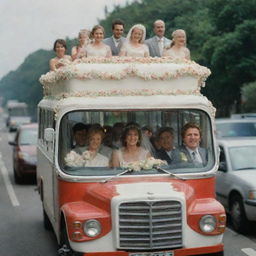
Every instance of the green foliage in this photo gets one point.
(221, 35)
(248, 96)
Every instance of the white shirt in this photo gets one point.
(116, 41)
(160, 44)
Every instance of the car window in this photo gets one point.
(243, 157)
(236, 129)
(28, 136)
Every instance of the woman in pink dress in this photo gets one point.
(178, 49)
(97, 48)
(78, 51)
(61, 59)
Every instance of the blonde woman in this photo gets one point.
(78, 51)
(97, 48)
(178, 49)
(134, 45)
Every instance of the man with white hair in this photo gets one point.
(157, 43)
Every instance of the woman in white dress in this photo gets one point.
(134, 45)
(95, 159)
(61, 59)
(97, 48)
(178, 49)
(78, 51)
(131, 150)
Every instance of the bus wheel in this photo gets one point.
(65, 249)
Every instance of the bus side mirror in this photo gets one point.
(49, 134)
(223, 167)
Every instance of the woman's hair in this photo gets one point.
(174, 34)
(95, 28)
(95, 130)
(83, 32)
(138, 26)
(126, 131)
(60, 41)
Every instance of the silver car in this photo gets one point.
(228, 127)
(236, 180)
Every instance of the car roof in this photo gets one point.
(230, 120)
(237, 141)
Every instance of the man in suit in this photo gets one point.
(166, 142)
(116, 41)
(190, 151)
(157, 43)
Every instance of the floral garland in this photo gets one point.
(71, 71)
(147, 164)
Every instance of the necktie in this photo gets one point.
(161, 45)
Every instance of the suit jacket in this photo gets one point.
(162, 154)
(152, 44)
(181, 154)
(110, 42)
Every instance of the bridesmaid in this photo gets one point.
(97, 48)
(61, 59)
(178, 49)
(78, 51)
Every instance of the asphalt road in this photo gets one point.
(21, 226)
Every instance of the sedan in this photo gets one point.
(236, 180)
(24, 152)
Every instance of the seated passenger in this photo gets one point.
(79, 135)
(146, 143)
(131, 150)
(94, 158)
(61, 59)
(166, 143)
(190, 151)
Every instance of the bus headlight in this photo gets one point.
(207, 223)
(92, 228)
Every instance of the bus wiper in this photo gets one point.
(245, 168)
(129, 170)
(170, 173)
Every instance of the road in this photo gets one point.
(21, 225)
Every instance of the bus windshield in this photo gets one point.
(108, 142)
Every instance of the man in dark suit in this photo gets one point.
(190, 151)
(166, 141)
(157, 43)
(116, 41)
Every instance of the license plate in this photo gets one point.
(169, 253)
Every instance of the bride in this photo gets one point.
(178, 49)
(134, 46)
(131, 150)
(97, 48)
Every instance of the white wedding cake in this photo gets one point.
(123, 76)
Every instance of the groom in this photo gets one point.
(157, 43)
(116, 41)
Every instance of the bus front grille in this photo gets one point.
(150, 225)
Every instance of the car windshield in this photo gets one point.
(236, 129)
(105, 143)
(28, 136)
(18, 111)
(243, 157)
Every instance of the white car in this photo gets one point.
(228, 127)
(236, 180)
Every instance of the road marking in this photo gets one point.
(249, 251)
(8, 183)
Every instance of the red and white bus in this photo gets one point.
(167, 211)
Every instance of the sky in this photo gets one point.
(29, 25)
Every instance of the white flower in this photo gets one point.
(73, 159)
(86, 155)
